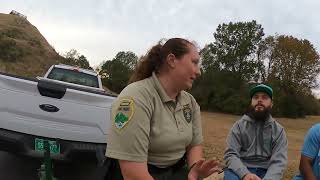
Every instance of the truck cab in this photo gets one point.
(74, 76)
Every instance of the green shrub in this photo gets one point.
(9, 51)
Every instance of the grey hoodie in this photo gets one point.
(257, 144)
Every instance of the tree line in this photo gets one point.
(240, 56)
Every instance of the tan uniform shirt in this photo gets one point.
(148, 126)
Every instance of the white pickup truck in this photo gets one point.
(67, 106)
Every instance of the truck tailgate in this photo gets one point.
(77, 116)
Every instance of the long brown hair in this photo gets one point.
(157, 55)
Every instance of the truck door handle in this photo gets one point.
(49, 108)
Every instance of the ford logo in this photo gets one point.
(49, 108)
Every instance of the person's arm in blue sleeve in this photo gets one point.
(309, 152)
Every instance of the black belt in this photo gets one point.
(156, 170)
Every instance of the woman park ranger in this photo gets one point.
(156, 131)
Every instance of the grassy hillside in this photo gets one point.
(23, 50)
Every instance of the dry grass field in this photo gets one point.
(216, 127)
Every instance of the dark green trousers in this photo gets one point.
(177, 173)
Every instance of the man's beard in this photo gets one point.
(259, 115)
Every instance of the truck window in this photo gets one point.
(73, 76)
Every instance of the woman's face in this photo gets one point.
(186, 69)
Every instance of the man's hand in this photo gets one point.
(203, 169)
(251, 176)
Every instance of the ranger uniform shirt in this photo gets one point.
(148, 126)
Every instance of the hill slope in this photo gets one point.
(23, 50)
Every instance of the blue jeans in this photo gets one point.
(230, 175)
(297, 177)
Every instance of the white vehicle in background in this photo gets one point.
(74, 77)
(68, 106)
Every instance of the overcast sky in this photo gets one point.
(99, 29)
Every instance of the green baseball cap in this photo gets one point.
(261, 88)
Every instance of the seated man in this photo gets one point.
(257, 144)
(310, 155)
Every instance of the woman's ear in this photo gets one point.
(171, 60)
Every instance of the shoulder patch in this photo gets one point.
(187, 113)
(124, 112)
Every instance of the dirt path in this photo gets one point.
(216, 127)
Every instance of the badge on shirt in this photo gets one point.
(187, 113)
(124, 113)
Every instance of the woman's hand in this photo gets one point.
(203, 169)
